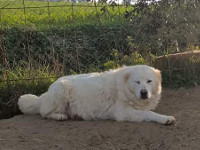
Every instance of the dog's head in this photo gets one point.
(142, 82)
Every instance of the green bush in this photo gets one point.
(120, 59)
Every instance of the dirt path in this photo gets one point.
(33, 133)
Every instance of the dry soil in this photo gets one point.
(34, 133)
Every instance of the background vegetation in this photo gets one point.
(41, 41)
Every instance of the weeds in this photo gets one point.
(22, 81)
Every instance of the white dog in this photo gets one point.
(125, 94)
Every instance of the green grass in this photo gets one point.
(22, 81)
(61, 16)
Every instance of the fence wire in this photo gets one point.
(62, 37)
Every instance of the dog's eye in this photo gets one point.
(138, 82)
(149, 81)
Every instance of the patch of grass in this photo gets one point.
(18, 83)
(37, 15)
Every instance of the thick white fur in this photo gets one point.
(113, 94)
(29, 104)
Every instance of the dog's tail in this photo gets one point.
(29, 104)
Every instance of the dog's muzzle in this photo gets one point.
(143, 94)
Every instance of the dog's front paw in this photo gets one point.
(170, 120)
(56, 116)
(61, 117)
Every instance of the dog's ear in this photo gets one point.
(126, 77)
(158, 87)
(158, 74)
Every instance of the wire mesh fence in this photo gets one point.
(76, 38)
(43, 40)
(58, 34)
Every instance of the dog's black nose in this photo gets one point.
(143, 94)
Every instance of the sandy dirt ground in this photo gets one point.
(34, 133)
